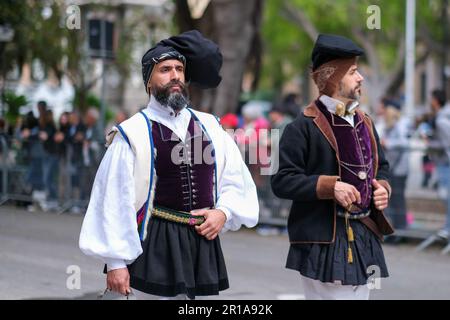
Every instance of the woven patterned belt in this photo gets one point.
(352, 216)
(177, 216)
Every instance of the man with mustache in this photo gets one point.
(333, 168)
(171, 180)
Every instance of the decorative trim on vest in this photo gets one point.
(143, 217)
(214, 150)
(123, 134)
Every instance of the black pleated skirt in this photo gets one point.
(328, 262)
(176, 260)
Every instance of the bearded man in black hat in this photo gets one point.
(169, 183)
(333, 168)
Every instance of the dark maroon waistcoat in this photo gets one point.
(355, 154)
(186, 183)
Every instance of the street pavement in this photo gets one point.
(39, 253)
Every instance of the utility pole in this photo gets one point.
(445, 65)
(103, 57)
(410, 56)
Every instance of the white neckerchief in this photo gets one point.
(331, 104)
(178, 123)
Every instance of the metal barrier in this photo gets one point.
(16, 186)
(274, 211)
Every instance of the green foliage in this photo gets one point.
(13, 102)
(287, 50)
(266, 95)
(35, 36)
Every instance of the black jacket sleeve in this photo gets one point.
(292, 180)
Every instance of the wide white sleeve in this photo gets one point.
(109, 229)
(237, 196)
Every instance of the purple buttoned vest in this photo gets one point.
(355, 154)
(184, 180)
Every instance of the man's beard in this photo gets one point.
(351, 94)
(176, 100)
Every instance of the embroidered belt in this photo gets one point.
(352, 216)
(177, 216)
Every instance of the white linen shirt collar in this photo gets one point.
(177, 122)
(331, 104)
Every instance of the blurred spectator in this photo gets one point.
(92, 150)
(395, 140)
(3, 134)
(61, 140)
(254, 141)
(279, 117)
(35, 155)
(50, 164)
(93, 138)
(75, 153)
(229, 121)
(442, 156)
(253, 114)
(120, 117)
(42, 108)
(426, 128)
(3, 151)
(291, 105)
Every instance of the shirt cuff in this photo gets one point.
(226, 211)
(113, 264)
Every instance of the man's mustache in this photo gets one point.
(174, 83)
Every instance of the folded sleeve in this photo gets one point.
(109, 231)
(237, 196)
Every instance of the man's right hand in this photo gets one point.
(118, 280)
(346, 194)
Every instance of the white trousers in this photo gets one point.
(318, 290)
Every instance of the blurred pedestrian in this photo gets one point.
(119, 117)
(395, 142)
(77, 132)
(30, 135)
(280, 117)
(92, 150)
(3, 150)
(442, 154)
(61, 139)
(291, 105)
(50, 165)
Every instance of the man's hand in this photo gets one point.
(346, 194)
(214, 221)
(118, 280)
(380, 196)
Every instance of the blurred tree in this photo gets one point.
(235, 26)
(291, 26)
(37, 34)
(41, 35)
